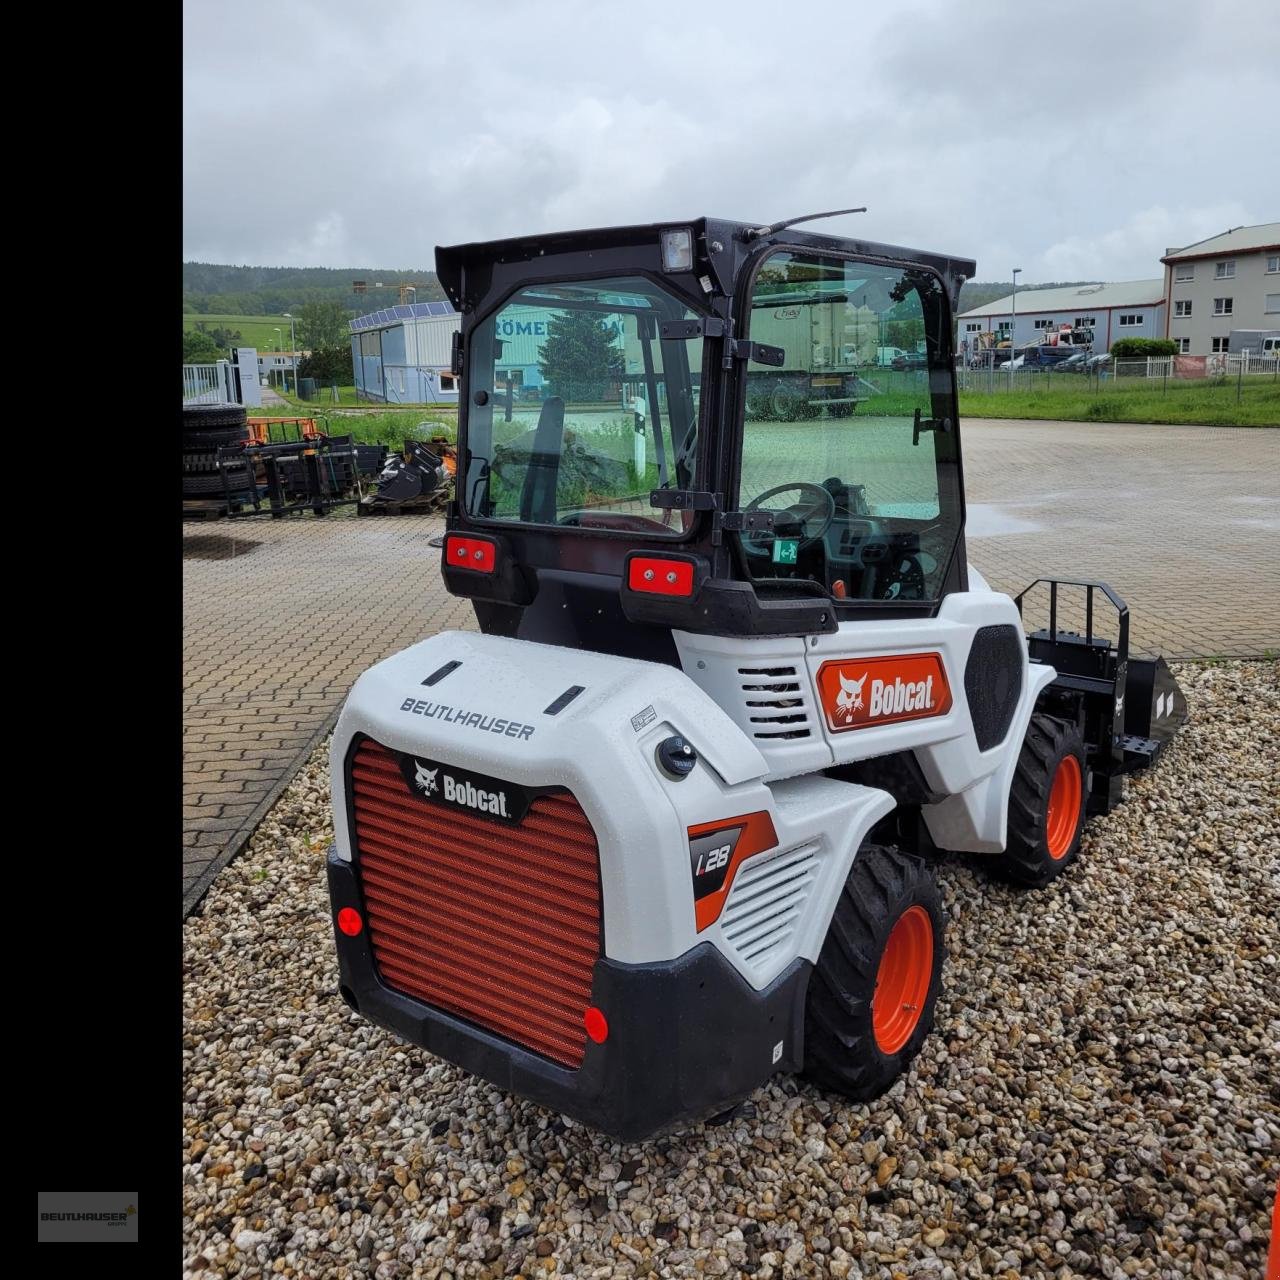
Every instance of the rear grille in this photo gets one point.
(766, 903)
(496, 923)
(775, 702)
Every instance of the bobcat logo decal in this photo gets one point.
(849, 699)
(426, 778)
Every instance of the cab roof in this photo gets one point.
(722, 251)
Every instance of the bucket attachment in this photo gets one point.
(1129, 708)
(418, 478)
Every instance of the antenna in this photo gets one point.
(754, 233)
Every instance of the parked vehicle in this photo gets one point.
(666, 825)
(1254, 342)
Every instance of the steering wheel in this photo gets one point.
(800, 512)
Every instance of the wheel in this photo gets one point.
(201, 417)
(872, 992)
(239, 480)
(783, 406)
(194, 441)
(1046, 805)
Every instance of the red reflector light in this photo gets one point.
(349, 921)
(471, 553)
(597, 1024)
(660, 577)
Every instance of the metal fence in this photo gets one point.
(1214, 370)
(208, 384)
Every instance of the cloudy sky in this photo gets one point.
(1076, 141)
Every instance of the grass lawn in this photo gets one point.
(255, 331)
(369, 425)
(1201, 403)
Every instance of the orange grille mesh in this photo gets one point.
(498, 924)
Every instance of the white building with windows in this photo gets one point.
(1227, 282)
(1128, 309)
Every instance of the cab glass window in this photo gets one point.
(577, 409)
(851, 440)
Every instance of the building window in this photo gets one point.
(1273, 304)
(1222, 306)
(974, 326)
(1085, 322)
(1225, 270)
(1184, 344)
(1185, 272)
(1182, 307)
(1219, 344)
(1004, 326)
(1273, 264)
(1044, 324)
(448, 382)
(1129, 319)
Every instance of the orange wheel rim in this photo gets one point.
(902, 980)
(1063, 816)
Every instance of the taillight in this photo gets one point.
(660, 576)
(597, 1024)
(349, 921)
(478, 554)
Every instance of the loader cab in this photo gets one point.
(688, 427)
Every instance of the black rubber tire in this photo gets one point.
(197, 441)
(840, 1049)
(204, 417)
(1026, 860)
(239, 480)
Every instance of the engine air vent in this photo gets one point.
(774, 699)
(766, 903)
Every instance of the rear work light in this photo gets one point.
(677, 249)
(477, 554)
(660, 577)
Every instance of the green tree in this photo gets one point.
(322, 326)
(580, 356)
(198, 348)
(329, 365)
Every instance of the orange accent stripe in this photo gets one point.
(758, 834)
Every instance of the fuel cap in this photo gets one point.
(676, 757)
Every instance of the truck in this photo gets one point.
(825, 339)
(670, 820)
(1263, 343)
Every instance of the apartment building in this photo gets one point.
(1229, 281)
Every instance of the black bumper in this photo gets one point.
(687, 1037)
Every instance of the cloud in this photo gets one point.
(1108, 254)
(1078, 145)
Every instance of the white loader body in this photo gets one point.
(488, 716)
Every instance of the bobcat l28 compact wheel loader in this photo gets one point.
(665, 825)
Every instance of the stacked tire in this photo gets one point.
(205, 430)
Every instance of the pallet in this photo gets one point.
(204, 509)
(399, 509)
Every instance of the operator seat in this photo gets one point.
(538, 493)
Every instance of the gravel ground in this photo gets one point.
(1100, 1095)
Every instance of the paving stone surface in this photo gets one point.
(280, 617)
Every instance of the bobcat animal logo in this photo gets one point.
(849, 699)
(426, 778)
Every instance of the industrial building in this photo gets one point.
(403, 354)
(1128, 309)
(1227, 283)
